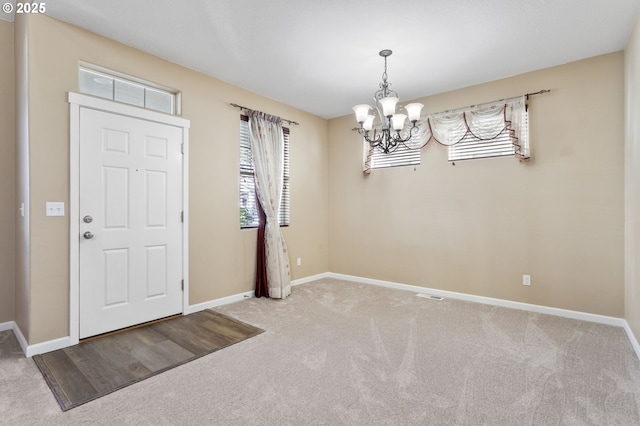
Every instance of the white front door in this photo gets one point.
(131, 263)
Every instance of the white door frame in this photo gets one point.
(76, 102)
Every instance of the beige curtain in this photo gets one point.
(267, 148)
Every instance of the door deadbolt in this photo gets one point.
(88, 235)
(87, 219)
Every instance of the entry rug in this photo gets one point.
(97, 367)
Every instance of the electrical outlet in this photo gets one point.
(299, 261)
(526, 280)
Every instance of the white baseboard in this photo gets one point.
(23, 342)
(4, 326)
(48, 346)
(64, 342)
(39, 348)
(584, 316)
(246, 295)
(219, 302)
(632, 339)
(565, 313)
(311, 278)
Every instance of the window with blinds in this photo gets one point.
(402, 156)
(470, 147)
(509, 119)
(503, 145)
(248, 207)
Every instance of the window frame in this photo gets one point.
(246, 172)
(117, 77)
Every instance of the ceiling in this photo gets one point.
(321, 56)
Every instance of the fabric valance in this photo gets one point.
(485, 122)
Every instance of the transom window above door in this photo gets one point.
(98, 81)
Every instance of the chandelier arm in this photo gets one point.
(393, 143)
(373, 142)
(398, 137)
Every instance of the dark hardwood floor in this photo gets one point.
(98, 366)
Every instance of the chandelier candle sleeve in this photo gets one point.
(386, 102)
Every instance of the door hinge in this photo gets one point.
(182, 148)
(182, 285)
(182, 216)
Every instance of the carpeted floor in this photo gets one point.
(345, 353)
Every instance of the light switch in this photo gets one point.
(55, 208)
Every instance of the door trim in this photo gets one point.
(76, 102)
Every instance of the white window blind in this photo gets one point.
(248, 207)
(402, 156)
(503, 145)
(470, 147)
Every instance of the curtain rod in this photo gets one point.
(526, 103)
(526, 97)
(293, 123)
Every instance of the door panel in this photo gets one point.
(131, 187)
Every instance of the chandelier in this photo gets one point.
(389, 137)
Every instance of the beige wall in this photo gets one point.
(475, 227)
(478, 226)
(222, 257)
(8, 205)
(632, 181)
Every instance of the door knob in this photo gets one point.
(88, 235)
